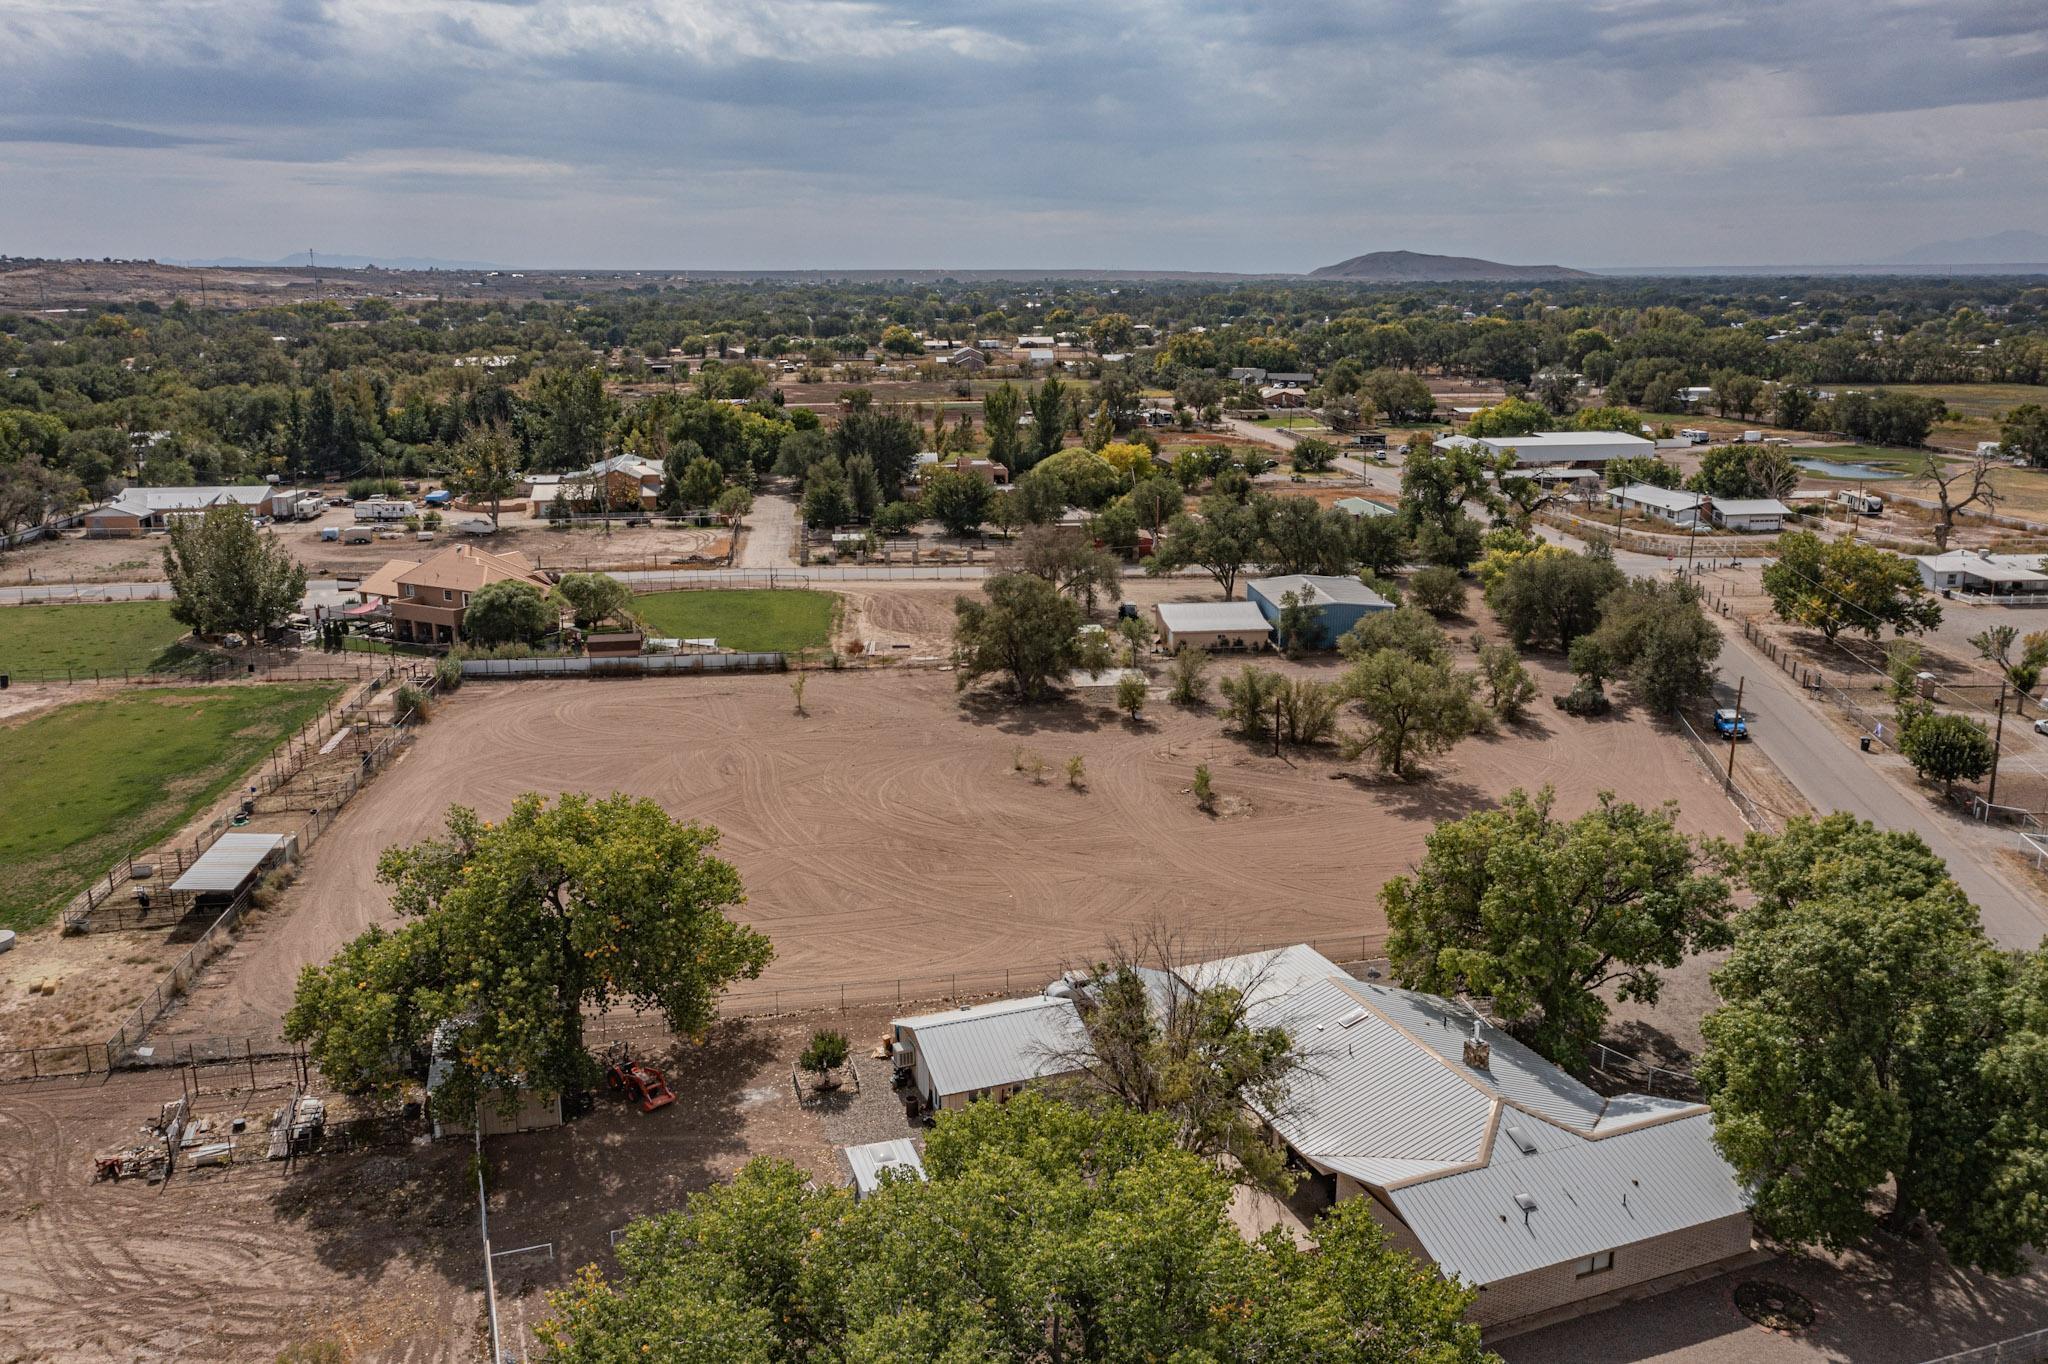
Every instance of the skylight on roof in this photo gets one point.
(1352, 1019)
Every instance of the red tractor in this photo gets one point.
(643, 1084)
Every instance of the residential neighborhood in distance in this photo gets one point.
(816, 683)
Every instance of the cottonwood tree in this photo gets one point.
(1871, 1040)
(485, 466)
(596, 597)
(1958, 487)
(1225, 539)
(1994, 644)
(1001, 407)
(1552, 599)
(226, 575)
(1837, 585)
(1026, 630)
(1069, 560)
(507, 612)
(1412, 708)
(1070, 1234)
(32, 493)
(1544, 914)
(512, 931)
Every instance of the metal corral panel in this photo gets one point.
(991, 1045)
(1589, 1196)
(868, 1162)
(232, 859)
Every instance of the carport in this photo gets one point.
(229, 867)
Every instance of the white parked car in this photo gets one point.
(2041, 725)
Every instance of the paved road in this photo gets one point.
(1833, 774)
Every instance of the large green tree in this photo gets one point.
(1026, 630)
(227, 575)
(1543, 914)
(507, 613)
(956, 500)
(1222, 541)
(1655, 633)
(1871, 1041)
(568, 417)
(512, 932)
(1552, 599)
(1837, 585)
(1412, 707)
(1001, 407)
(1045, 1233)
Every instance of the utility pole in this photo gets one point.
(1276, 726)
(1735, 730)
(1997, 740)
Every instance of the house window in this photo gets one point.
(405, 588)
(1596, 1264)
(446, 595)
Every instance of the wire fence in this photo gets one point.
(1754, 813)
(280, 667)
(284, 763)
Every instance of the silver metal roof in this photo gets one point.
(1590, 1196)
(868, 1162)
(1322, 589)
(1650, 495)
(231, 860)
(987, 1045)
(1750, 506)
(1384, 1095)
(1213, 615)
(1363, 506)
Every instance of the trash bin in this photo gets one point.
(1863, 742)
(3, 681)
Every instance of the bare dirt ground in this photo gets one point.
(888, 834)
(74, 558)
(373, 1253)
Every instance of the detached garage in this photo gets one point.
(1220, 626)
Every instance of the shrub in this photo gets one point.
(1077, 773)
(825, 1053)
(409, 700)
(1187, 683)
(447, 672)
(1248, 699)
(1205, 792)
(1438, 590)
(1130, 694)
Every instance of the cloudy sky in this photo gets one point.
(1182, 134)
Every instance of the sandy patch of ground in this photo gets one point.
(890, 835)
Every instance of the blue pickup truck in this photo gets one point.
(1728, 723)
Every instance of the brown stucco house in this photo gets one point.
(426, 598)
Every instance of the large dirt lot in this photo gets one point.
(890, 835)
(74, 558)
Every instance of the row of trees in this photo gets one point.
(1871, 1046)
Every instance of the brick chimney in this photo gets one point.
(1477, 1053)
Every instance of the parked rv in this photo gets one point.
(383, 509)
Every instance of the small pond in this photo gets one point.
(1829, 469)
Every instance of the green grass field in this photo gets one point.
(110, 637)
(785, 620)
(91, 781)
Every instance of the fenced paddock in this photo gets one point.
(647, 665)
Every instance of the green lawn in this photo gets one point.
(784, 620)
(89, 782)
(109, 637)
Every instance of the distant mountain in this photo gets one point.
(2017, 247)
(327, 262)
(1397, 267)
